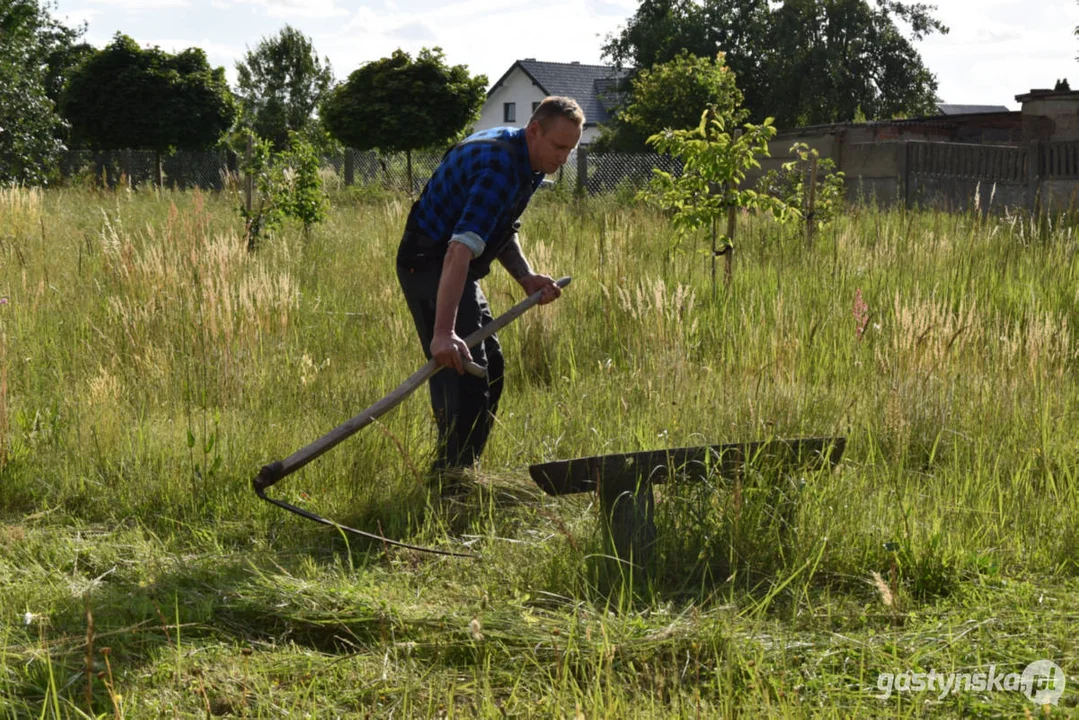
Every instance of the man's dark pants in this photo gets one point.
(464, 405)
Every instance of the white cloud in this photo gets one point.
(218, 54)
(314, 9)
(71, 18)
(141, 4)
(998, 49)
(486, 35)
(415, 32)
(224, 52)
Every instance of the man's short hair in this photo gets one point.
(557, 106)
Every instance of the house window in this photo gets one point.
(509, 112)
(535, 104)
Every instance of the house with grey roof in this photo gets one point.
(511, 100)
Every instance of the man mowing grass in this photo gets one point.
(467, 217)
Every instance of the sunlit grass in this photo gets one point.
(149, 366)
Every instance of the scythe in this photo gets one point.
(276, 471)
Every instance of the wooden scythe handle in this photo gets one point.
(275, 471)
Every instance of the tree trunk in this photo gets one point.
(159, 172)
(408, 163)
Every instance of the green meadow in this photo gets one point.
(149, 365)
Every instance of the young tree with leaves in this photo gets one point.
(127, 97)
(280, 85)
(795, 183)
(398, 104)
(287, 185)
(671, 95)
(716, 155)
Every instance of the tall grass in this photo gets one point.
(149, 365)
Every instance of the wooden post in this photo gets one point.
(811, 202)
(715, 254)
(350, 167)
(981, 173)
(127, 168)
(582, 170)
(231, 162)
(249, 179)
(728, 255)
(732, 220)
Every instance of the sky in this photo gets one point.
(996, 49)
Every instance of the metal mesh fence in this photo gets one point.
(391, 169)
(184, 169)
(613, 172)
(587, 172)
(214, 170)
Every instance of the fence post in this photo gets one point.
(582, 170)
(350, 168)
(728, 256)
(732, 221)
(1034, 156)
(811, 207)
(231, 163)
(249, 180)
(127, 168)
(903, 172)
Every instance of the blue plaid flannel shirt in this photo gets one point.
(478, 190)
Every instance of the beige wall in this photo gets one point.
(1059, 194)
(872, 159)
(871, 168)
(1050, 116)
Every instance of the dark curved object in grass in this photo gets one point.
(276, 471)
(624, 482)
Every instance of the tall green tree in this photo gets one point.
(672, 95)
(831, 59)
(399, 105)
(127, 97)
(801, 61)
(661, 30)
(36, 52)
(281, 83)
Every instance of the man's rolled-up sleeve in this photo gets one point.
(470, 240)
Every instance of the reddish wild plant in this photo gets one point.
(861, 314)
